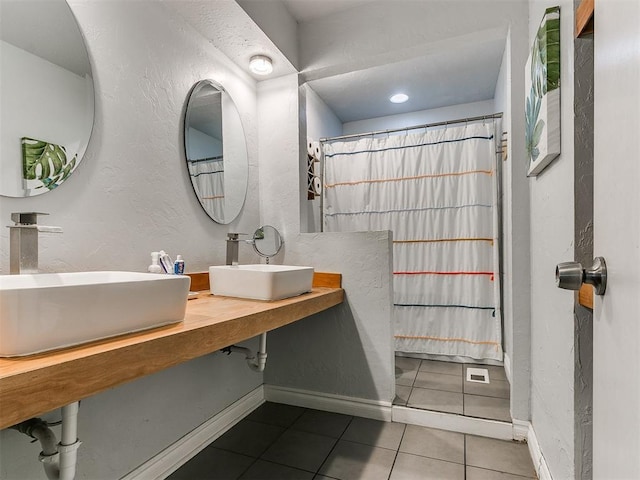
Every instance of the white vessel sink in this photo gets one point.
(54, 310)
(260, 282)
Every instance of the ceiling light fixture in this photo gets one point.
(261, 65)
(398, 98)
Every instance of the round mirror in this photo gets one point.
(216, 151)
(47, 99)
(267, 241)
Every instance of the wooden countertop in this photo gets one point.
(33, 385)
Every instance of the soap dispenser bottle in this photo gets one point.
(155, 266)
(178, 266)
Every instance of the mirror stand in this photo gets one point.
(267, 242)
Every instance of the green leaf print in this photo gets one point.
(46, 162)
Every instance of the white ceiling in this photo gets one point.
(225, 24)
(459, 74)
(452, 72)
(307, 10)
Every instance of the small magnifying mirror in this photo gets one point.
(267, 241)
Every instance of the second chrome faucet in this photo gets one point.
(233, 239)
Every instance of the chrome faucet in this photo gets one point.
(23, 242)
(232, 247)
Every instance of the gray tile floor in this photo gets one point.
(442, 386)
(282, 442)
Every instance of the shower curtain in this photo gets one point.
(437, 192)
(207, 175)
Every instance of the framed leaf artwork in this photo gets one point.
(542, 89)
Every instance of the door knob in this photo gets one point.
(571, 275)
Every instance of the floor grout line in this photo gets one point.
(317, 472)
(397, 452)
(463, 413)
(464, 447)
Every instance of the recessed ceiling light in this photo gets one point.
(398, 98)
(261, 65)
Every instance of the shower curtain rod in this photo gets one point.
(426, 125)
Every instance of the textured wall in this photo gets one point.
(552, 233)
(347, 350)
(320, 122)
(517, 264)
(132, 195)
(351, 40)
(280, 155)
(515, 248)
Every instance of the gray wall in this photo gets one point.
(552, 241)
(516, 218)
(347, 350)
(356, 39)
(132, 195)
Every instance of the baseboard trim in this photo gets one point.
(177, 454)
(539, 463)
(453, 422)
(360, 407)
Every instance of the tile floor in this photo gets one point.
(282, 442)
(441, 386)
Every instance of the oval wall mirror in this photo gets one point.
(216, 151)
(267, 241)
(47, 97)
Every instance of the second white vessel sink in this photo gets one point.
(260, 281)
(48, 311)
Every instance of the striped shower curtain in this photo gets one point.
(437, 192)
(207, 177)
